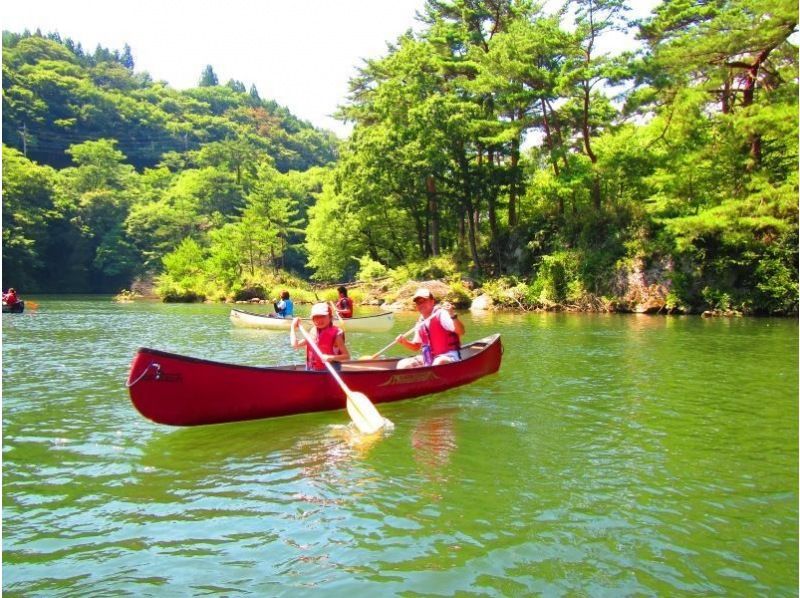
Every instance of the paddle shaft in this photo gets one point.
(331, 369)
(336, 311)
(393, 343)
(360, 409)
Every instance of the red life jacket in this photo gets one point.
(345, 304)
(432, 333)
(326, 341)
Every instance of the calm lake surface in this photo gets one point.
(611, 455)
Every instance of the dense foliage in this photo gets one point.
(105, 172)
(687, 177)
(498, 137)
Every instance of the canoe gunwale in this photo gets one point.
(380, 322)
(486, 342)
(345, 320)
(14, 308)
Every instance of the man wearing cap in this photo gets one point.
(438, 333)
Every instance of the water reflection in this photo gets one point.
(611, 455)
(433, 440)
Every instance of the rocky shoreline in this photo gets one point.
(637, 291)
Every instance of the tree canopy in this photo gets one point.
(499, 136)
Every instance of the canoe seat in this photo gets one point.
(355, 366)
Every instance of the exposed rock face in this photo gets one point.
(482, 303)
(642, 290)
(144, 286)
(403, 301)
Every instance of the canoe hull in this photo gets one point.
(14, 308)
(184, 391)
(382, 322)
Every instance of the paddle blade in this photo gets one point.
(363, 413)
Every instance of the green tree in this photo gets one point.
(735, 50)
(127, 58)
(184, 274)
(96, 195)
(28, 210)
(208, 78)
(588, 70)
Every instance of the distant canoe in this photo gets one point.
(382, 322)
(187, 391)
(14, 308)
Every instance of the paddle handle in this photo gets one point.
(337, 315)
(331, 369)
(390, 345)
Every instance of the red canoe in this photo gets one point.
(186, 391)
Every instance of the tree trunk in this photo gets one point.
(494, 229)
(548, 139)
(514, 190)
(750, 91)
(726, 96)
(587, 144)
(596, 192)
(747, 100)
(472, 235)
(559, 137)
(433, 210)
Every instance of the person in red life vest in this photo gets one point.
(344, 306)
(437, 335)
(329, 339)
(10, 298)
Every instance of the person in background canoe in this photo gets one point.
(10, 298)
(437, 335)
(344, 306)
(284, 308)
(329, 339)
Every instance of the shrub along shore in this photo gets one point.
(640, 290)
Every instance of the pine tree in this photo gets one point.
(127, 57)
(208, 78)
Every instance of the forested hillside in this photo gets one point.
(106, 171)
(499, 142)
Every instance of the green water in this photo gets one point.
(611, 455)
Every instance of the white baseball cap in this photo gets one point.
(422, 292)
(320, 309)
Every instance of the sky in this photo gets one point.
(300, 53)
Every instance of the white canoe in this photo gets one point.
(382, 322)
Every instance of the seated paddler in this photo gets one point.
(328, 337)
(437, 334)
(284, 308)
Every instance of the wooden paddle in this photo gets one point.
(387, 347)
(360, 409)
(338, 316)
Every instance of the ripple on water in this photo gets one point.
(610, 456)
